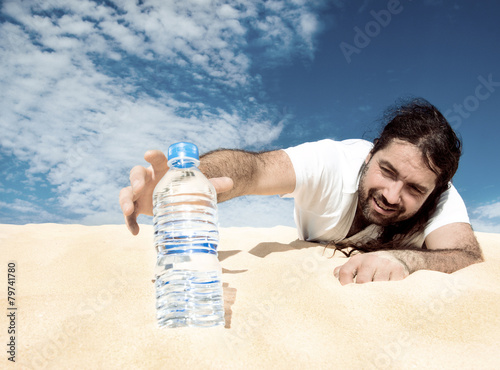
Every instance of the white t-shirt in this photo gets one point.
(326, 190)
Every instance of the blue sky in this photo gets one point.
(88, 86)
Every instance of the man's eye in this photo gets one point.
(416, 190)
(387, 172)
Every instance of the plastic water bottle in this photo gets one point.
(186, 236)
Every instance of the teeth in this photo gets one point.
(378, 204)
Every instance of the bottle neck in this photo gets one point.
(183, 163)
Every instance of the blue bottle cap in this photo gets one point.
(183, 150)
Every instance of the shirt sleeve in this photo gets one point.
(450, 209)
(325, 191)
(316, 167)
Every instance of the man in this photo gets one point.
(391, 200)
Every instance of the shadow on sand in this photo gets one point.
(261, 250)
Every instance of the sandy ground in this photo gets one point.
(84, 298)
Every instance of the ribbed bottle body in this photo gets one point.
(188, 273)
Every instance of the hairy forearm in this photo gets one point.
(444, 260)
(239, 165)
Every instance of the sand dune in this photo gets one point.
(85, 299)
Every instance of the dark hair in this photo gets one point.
(420, 123)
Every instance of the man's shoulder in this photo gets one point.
(359, 146)
(450, 209)
(352, 152)
(345, 155)
(355, 145)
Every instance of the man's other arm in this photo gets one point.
(449, 248)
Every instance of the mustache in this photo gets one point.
(382, 200)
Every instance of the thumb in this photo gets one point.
(336, 271)
(222, 184)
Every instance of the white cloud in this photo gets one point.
(226, 11)
(248, 211)
(486, 226)
(486, 218)
(256, 211)
(23, 211)
(284, 21)
(489, 211)
(86, 90)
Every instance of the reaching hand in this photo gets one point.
(374, 266)
(137, 198)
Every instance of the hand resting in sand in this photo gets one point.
(137, 198)
(373, 266)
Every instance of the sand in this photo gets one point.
(85, 299)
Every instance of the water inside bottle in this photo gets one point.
(188, 273)
(189, 290)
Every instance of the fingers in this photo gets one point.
(382, 275)
(399, 274)
(136, 198)
(132, 225)
(126, 201)
(367, 267)
(222, 184)
(346, 273)
(128, 208)
(374, 268)
(397, 269)
(158, 161)
(139, 176)
(365, 274)
(336, 271)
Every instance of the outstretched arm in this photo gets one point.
(267, 173)
(449, 248)
(232, 172)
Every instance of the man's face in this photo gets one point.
(394, 184)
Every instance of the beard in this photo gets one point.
(367, 196)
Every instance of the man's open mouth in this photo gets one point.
(382, 206)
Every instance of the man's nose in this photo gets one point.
(392, 193)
